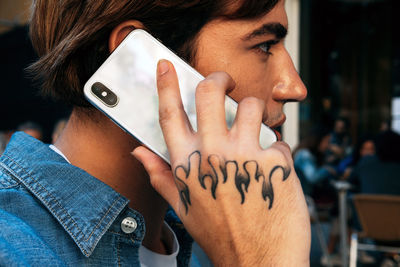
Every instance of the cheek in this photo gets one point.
(250, 79)
(210, 57)
(252, 75)
(251, 82)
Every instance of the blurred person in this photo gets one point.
(338, 148)
(31, 128)
(316, 176)
(385, 125)
(308, 160)
(340, 144)
(378, 174)
(86, 201)
(367, 148)
(58, 128)
(337, 155)
(364, 147)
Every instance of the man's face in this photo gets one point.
(340, 127)
(253, 53)
(368, 148)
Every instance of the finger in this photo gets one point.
(160, 175)
(247, 125)
(173, 119)
(210, 103)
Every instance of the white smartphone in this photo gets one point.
(125, 89)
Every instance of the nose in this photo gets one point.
(288, 86)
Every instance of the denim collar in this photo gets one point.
(82, 204)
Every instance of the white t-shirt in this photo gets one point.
(147, 257)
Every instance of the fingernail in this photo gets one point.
(163, 67)
(133, 153)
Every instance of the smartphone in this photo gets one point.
(125, 89)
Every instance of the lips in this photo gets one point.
(278, 135)
(277, 124)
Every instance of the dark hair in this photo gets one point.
(71, 36)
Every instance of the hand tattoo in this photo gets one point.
(182, 173)
(222, 171)
(267, 190)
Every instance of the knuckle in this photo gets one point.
(252, 101)
(220, 75)
(158, 177)
(215, 82)
(206, 86)
(283, 148)
(155, 183)
(168, 113)
(252, 106)
(276, 154)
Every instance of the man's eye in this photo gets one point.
(266, 46)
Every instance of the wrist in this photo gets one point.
(283, 254)
(281, 248)
(277, 259)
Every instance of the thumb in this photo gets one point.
(160, 173)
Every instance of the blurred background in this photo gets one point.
(350, 62)
(22, 106)
(344, 137)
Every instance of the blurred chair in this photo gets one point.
(379, 216)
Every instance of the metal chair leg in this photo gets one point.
(353, 250)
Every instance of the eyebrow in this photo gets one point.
(276, 29)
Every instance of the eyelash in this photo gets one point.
(260, 47)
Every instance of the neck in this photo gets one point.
(95, 144)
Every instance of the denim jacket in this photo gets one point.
(55, 214)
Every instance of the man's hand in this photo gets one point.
(243, 204)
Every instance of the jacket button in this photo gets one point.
(128, 225)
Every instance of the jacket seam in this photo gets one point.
(118, 251)
(11, 174)
(133, 240)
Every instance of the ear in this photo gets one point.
(119, 33)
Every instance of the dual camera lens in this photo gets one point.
(104, 94)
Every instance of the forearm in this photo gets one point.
(288, 253)
(266, 259)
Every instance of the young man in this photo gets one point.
(87, 200)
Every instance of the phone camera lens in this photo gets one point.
(104, 94)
